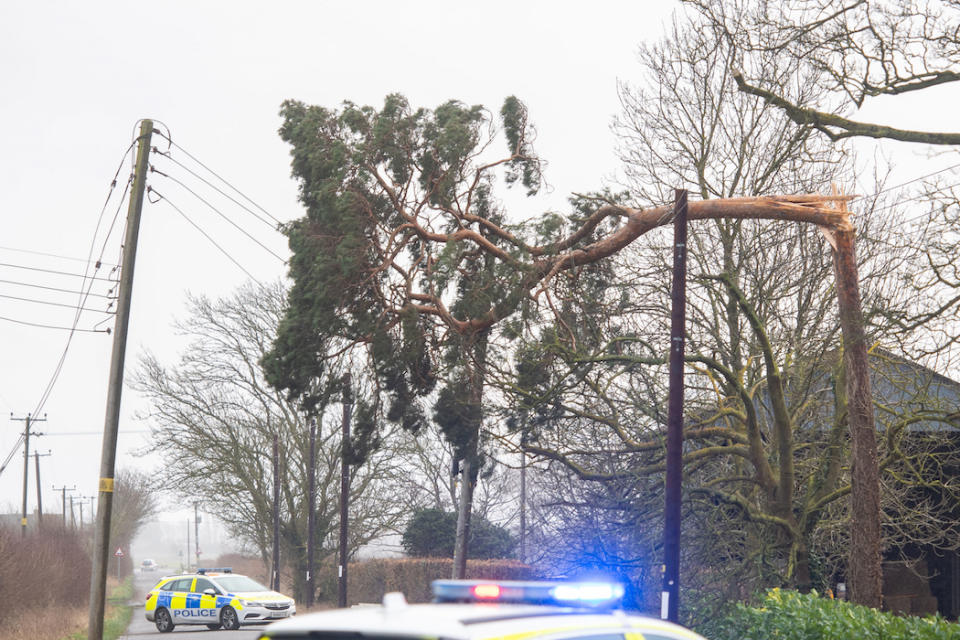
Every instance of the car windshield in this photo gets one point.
(240, 583)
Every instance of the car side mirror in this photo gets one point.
(209, 592)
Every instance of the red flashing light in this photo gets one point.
(486, 591)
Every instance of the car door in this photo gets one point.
(204, 604)
(177, 601)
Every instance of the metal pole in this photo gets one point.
(108, 455)
(186, 558)
(311, 507)
(275, 578)
(344, 490)
(670, 597)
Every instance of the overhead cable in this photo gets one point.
(160, 196)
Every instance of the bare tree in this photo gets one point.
(213, 419)
(764, 472)
(859, 50)
(137, 501)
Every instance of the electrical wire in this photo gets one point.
(219, 213)
(49, 255)
(54, 271)
(160, 196)
(273, 225)
(907, 183)
(51, 326)
(13, 452)
(169, 139)
(61, 290)
(87, 277)
(53, 304)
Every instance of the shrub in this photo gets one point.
(431, 534)
(788, 615)
(52, 566)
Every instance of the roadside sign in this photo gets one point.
(118, 552)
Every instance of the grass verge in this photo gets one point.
(116, 617)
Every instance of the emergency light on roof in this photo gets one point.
(215, 570)
(571, 594)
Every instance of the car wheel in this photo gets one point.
(213, 627)
(163, 620)
(229, 619)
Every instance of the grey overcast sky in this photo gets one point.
(76, 77)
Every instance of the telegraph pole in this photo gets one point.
(196, 531)
(670, 597)
(36, 459)
(26, 464)
(275, 578)
(108, 456)
(311, 507)
(344, 490)
(523, 496)
(64, 490)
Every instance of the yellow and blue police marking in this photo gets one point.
(193, 605)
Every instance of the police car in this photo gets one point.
(217, 598)
(487, 610)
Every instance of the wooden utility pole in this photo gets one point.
(523, 496)
(275, 575)
(108, 455)
(64, 490)
(29, 420)
(36, 460)
(670, 597)
(344, 489)
(311, 506)
(196, 532)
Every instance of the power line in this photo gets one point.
(54, 271)
(219, 213)
(168, 156)
(908, 182)
(49, 255)
(82, 299)
(13, 452)
(204, 233)
(52, 304)
(50, 326)
(169, 139)
(40, 286)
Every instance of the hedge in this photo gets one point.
(370, 579)
(789, 615)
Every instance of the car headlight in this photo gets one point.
(251, 603)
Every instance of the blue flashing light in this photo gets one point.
(589, 592)
(570, 594)
(215, 570)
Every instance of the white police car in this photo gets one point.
(217, 598)
(488, 610)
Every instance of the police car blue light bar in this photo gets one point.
(571, 594)
(215, 570)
